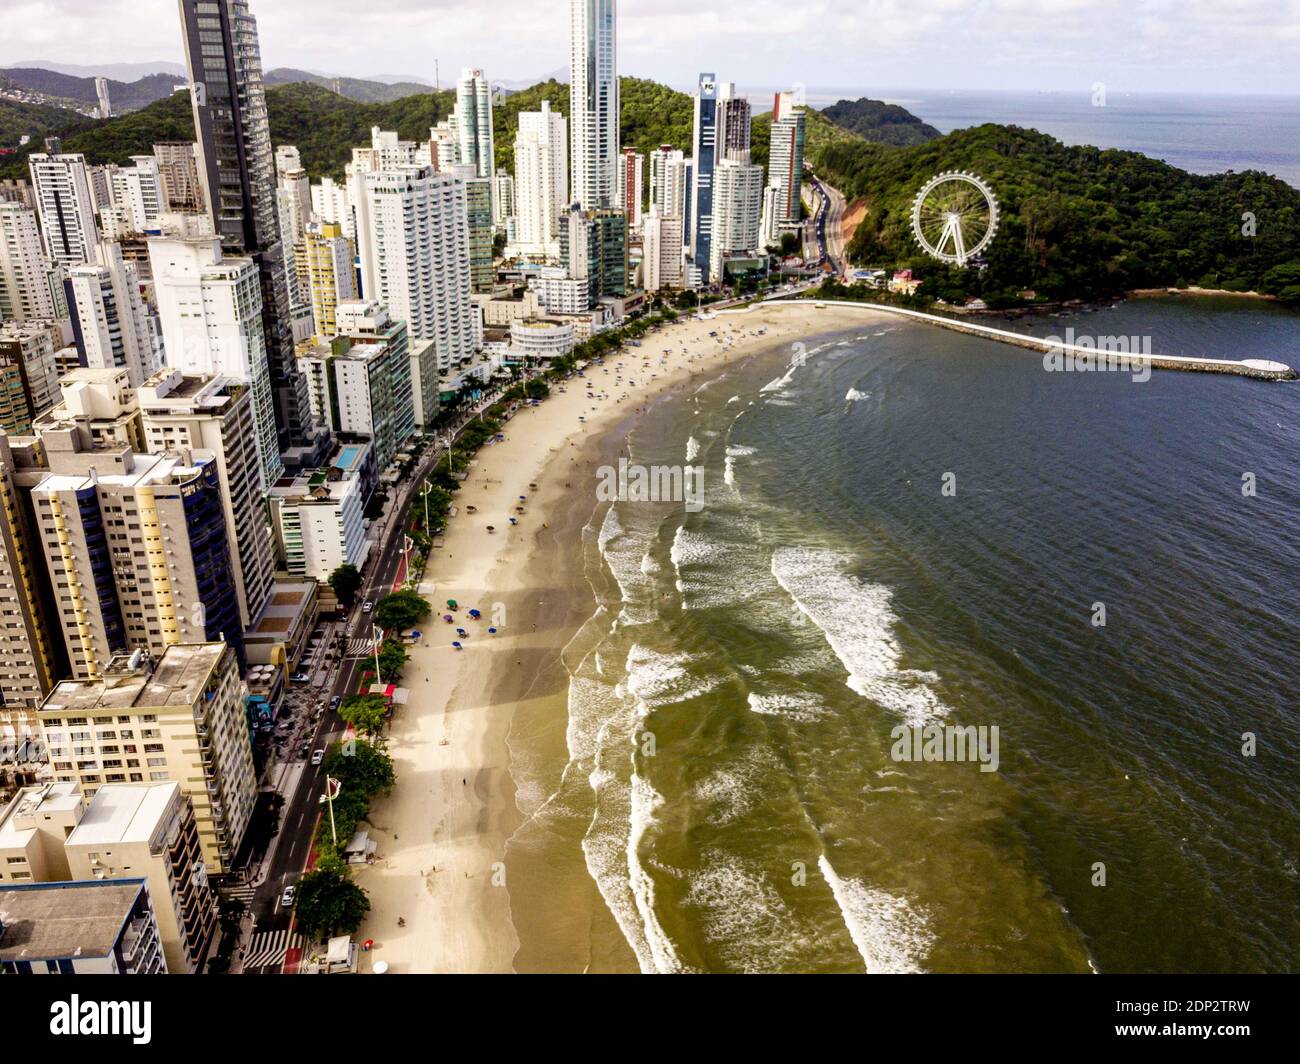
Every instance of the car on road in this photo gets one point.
(317, 757)
(300, 677)
(367, 607)
(286, 899)
(336, 701)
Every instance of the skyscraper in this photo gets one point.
(631, 185)
(737, 212)
(704, 141)
(109, 322)
(474, 121)
(594, 101)
(178, 177)
(24, 286)
(541, 178)
(239, 182)
(785, 158)
(62, 190)
(734, 121)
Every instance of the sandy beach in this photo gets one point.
(443, 833)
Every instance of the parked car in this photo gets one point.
(367, 607)
(317, 757)
(300, 677)
(286, 899)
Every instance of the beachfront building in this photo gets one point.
(110, 322)
(95, 927)
(350, 384)
(180, 720)
(541, 338)
(704, 149)
(541, 180)
(24, 283)
(594, 101)
(785, 159)
(414, 244)
(319, 523)
(737, 213)
(210, 311)
(181, 413)
(661, 250)
(61, 188)
(734, 122)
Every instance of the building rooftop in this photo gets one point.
(31, 801)
(47, 921)
(178, 680)
(124, 812)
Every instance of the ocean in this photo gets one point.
(1200, 134)
(903, 526)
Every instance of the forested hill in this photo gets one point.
(1077, 222)
(880, 122)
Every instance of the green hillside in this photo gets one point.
(353, 88)
(880, 122)
(30, 119)
(1077, 222)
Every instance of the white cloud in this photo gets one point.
(1176, 45)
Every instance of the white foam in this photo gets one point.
(692, 449)
(855, 396)
(858, 622)
(645, 802)
(800, 708)
(891, 937)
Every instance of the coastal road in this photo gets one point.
(830, 226)
(273, 933)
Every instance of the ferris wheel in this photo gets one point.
(955, 216)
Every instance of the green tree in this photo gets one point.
(364, 712)
(392, 659)
(362, 768)
(346, 582)
(329, 902)
(401, 610)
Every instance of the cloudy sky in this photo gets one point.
(1220, 46)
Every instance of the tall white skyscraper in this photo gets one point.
(24, 286)
(62, 191)
(210, 308)
(541, 178)
(474, 122)
(413, 239)
(135, 193)
(737, 213)
(503, 199)
(785, 157)
(109, 319)
(594, 101)
(663, 252)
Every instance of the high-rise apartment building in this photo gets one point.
(29, 381)
(24, 285)
(473, 122)
(735, 119)
(183, 413)
(541, 178)
(110, 323)
(181, 719)
(631, 186)
(785, 157)
(330, 274)
(178, 177)
(670, 185)
(503, 199)
(737, 212)
(662, 250)
(210, 311)
(594, 101)
(237, 169)
(62, 190)
(413, 239)
(478, 214)
(705, 142)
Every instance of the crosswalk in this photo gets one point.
(269, 947)
(244, 894)
(358, 648)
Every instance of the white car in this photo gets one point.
(317, 757)
(286, 899)
(367, 607)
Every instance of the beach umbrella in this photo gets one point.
(453, 604)
(475, 614)
(461, 632)
(456, 645)
(491, 528)
(514, 520)
(522, 497)
(447, 617)
(492, 631)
